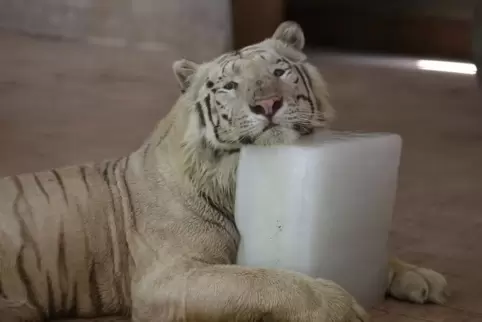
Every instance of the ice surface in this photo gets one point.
(322, 206)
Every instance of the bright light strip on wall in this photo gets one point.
(447, 66)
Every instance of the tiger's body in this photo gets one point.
(153, 235)
(64, 248)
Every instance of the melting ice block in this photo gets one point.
(322, 206)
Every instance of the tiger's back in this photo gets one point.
(62, 241)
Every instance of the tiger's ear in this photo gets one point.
(184, 71)
(290, 33)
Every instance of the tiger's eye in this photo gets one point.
(231, 85)
(209, 84)
(278, 72)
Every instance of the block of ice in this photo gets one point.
(322, 206)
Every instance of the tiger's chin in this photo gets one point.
(276, 136)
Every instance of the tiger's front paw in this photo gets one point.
(336, 304)
(417, 284)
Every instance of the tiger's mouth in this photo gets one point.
(276, 130)
(269, 127)
(302, 129)
(248, 140)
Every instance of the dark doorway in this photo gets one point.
(430, 28)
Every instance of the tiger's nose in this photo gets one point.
(267, 107)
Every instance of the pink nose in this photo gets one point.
(267, 107)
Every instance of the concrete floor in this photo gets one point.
(63, 103)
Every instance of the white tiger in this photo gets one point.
(152, 235)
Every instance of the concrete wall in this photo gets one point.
(197, 29)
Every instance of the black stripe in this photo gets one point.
(145, 154)
(50, 296)
(27, 236)
(109, 237)
(105, 176)
(304, 97)
(117, 278)
(303, 78)
(41, 187)
(308, 78)
(123, 260)
(213, 205)
(19, 187)
(227, 215)
(223, 57)
(29, 288)
(118, 288)
(25, 232)
(223, 68)
(207, 102)
(61, 184)
(129, 196)
(73, 307)
(110, 247)
(163, 136)
(62, 267)
(219, 153)
(302, 129)
(246, 140)
(308, 89)
(224, 213)
(115, 164)
(94, 289)
(83, 174)
(199, 111)
(302, 74)
(284, 60)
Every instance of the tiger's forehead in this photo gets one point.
(251, 53)
(242, 61)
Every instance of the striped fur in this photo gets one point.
(152, 234)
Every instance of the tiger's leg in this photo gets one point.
(234, 293)
(15, 311)
(416, 284)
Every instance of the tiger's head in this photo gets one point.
(263, 94)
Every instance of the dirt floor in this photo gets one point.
(63, 103)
